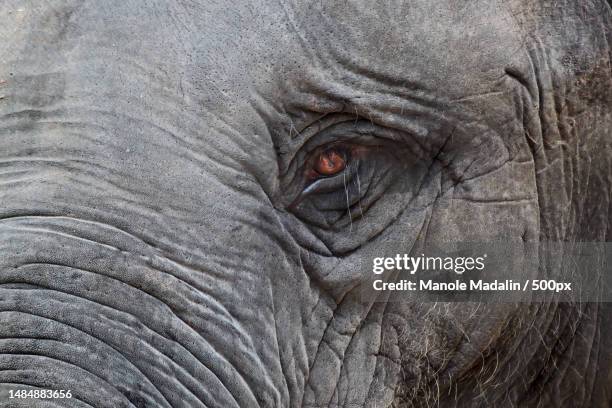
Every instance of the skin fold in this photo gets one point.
(162, 243)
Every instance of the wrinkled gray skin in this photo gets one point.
(151, 150)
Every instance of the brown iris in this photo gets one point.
(330, 162)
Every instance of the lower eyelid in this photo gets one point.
(323, 186)
(327, 184)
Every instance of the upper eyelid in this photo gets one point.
(356, 130)
(301, 137)
(321, 124)
(326, 123)
(355, 133)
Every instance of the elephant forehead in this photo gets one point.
(459, 47)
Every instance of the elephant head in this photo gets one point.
(189, 190)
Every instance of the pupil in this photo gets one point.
(330, 162)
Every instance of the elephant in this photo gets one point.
(189, 189)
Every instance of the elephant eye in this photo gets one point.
(330, 162)
(331, 177)
(339, 175)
